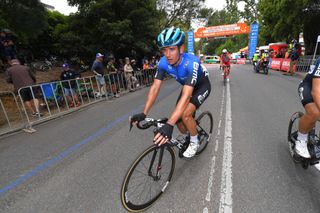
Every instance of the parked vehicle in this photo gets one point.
(211, 59)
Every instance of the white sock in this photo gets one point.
(194, 139)
(302, 137)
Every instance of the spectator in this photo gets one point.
(146, 70)
(134, 65)
(22, 78)
(137, 71)
(121, 66)
(8, 46)
(112, 71)
(145, 65)
(294, 56)
(153, 63)
(128, 71)
(70, 85)
(98, 69)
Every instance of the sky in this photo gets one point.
(63, 7)
(220, 4)
(215, 4)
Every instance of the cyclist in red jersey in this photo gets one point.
(225, 61)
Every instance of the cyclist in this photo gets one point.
(255, 59)
(196, 87)
(225, 61)
(309, 92)
(263, 54)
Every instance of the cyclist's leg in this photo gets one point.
(228, 70)
(182, 128)
(307, 121)
(312, 112)
(199, 95)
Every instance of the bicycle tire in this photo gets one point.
(129, 201)
(224, 76)
(204, 132)
(292, 133)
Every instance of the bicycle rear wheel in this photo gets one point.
(147, 178)
(204, 127)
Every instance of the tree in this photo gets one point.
(121, 27)
(175, 12)
(25, 17)
(250, 12)
(288, 19)
(311, 14)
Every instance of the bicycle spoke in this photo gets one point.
(141, 189)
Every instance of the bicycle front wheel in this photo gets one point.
(293, 134)
(147, 178)
(204, 127)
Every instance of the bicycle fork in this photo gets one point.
(157, 176)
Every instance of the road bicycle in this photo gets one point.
(226, 72)
(150, 174)
(43, 66)
(313, 142)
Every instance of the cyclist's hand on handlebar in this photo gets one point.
(137, 118)
(163, 134)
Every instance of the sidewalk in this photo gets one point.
(297, 74)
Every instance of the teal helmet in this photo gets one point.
(170, 37)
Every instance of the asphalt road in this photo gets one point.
(77, 163)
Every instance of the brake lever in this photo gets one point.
(131, 125)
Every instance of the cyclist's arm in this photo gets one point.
(152, 95)
(316, 91)
(181, 105)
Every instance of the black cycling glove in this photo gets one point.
(138, 117)
(166, 131)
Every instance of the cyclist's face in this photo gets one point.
(172, 54)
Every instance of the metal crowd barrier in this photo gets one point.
(11, 117)
(118, 83)
(49, 100)
(304, 63)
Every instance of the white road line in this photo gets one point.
(205, 210)
(226, 177)
(213, 164)
(216, 146)
(213, 161)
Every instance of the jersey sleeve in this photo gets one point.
(161, 70)
(316, 72)
(194, 69)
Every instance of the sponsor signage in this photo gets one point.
(253, 38)
(222, 30)
(190, 42)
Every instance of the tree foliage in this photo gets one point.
(283, 20)
(129, 27)
(124, 28)
(175, 12)
(26, 18)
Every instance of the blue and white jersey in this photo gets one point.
(188, 72)
(314, 73)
